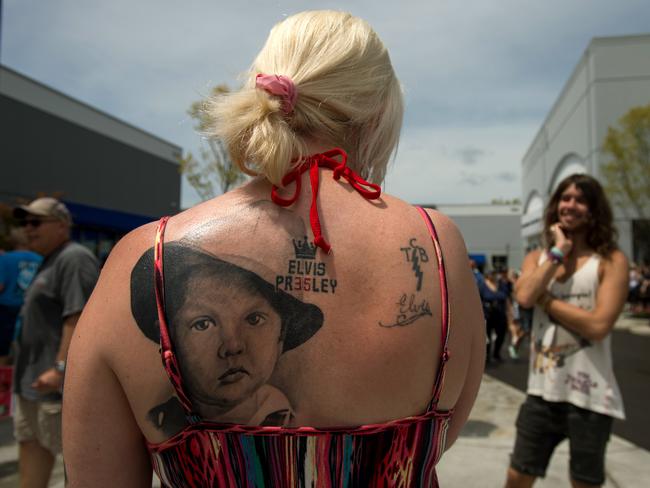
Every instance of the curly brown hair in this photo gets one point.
(601, 234)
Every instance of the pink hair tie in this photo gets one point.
(280, 86)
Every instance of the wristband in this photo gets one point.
(59, 366)
(555, 254)
(556, 251)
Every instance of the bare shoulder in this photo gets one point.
(451, 239)
(106, 319)
(616, 265)
(441, 221)
(531, 260)
(616, 259)
(131, 246)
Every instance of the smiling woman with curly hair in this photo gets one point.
(601, 235)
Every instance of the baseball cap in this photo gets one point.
(44, 207)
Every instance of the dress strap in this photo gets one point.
(444, 339)
(170, 363)
(367, 190)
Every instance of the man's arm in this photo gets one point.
(51, 380)
(78, 276)
(69, 324)
(611, 296)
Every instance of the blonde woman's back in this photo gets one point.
(237, 347)
(374, 356)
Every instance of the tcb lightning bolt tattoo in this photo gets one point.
(416, 254)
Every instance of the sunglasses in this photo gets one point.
(34, 222)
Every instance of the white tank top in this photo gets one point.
(565, 367)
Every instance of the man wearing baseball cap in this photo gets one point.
(52, 306)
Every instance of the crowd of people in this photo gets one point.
(504, 317)
(230, 345)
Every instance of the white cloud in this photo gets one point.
(427, 168)
(469, 155)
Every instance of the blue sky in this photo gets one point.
(479, 76)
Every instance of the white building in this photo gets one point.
(612, 76)
(492, 233)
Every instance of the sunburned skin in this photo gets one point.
(228, 316)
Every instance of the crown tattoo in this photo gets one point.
(304, 249)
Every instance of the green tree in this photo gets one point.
(214, 164)
(627, 173)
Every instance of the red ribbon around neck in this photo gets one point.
(369, 191)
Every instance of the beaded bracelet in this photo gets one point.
(556, 255)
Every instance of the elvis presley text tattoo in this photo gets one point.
(305, 272)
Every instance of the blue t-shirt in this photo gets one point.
(17, 270)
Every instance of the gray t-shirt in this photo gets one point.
(61, 288)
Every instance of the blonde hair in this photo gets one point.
(348, 96)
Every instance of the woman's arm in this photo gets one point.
(467, 328)
(595, 324)
(102, 443)
(534, 279)
(472, 382)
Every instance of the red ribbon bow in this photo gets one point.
(369, 191)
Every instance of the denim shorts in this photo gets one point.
(542, 425)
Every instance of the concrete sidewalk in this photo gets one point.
(478, 459)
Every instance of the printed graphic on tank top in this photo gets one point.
(565, 367)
